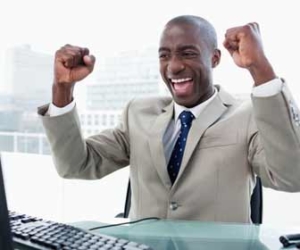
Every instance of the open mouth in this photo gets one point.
(182, 86)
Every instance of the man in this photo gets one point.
(199, 164)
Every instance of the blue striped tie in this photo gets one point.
(186, 118)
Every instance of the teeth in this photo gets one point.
(181, 80)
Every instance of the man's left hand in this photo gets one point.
(245, 46)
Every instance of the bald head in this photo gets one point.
(206, 30)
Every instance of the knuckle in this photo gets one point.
(59, 54)
(247, 27)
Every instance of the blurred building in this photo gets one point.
(131, 74)
(29, 76)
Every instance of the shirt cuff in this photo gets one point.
(56, 111)
(270, 88)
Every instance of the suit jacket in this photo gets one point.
(227, 146)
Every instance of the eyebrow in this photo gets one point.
(183, 47)
(163, 49)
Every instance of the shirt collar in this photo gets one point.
(196, 111)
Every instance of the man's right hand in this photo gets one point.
(71, 64)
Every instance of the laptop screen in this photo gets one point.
(5, 233)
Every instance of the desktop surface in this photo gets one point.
(190, 235)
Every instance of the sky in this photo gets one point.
(107, 27)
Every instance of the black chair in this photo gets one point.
(125, 213)
(128, 201)
(256, 203)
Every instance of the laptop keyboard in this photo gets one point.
(35, 233)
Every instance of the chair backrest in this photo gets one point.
(256, 203)
(127, 201)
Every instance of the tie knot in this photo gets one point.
(186, 117)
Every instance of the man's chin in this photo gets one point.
(184, 102)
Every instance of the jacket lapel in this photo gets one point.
(156, 145)
(209, 116)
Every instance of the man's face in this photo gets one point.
(186, 64)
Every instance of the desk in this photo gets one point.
(192, 235)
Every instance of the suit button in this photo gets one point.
(173, 205)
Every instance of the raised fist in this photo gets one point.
(71, 65)
(245, 46)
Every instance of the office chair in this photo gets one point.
(256, 203)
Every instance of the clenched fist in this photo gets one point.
(71, 65)
(245, 46)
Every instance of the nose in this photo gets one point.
(175, 65)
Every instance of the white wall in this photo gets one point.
(34, 187)
(281, 208)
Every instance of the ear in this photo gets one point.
(216, 58)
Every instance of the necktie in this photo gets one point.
(186, 118)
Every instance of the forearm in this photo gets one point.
(262, 72)
(62, 95)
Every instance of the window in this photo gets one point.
(124, 39)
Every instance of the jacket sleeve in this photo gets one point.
(93, 158)
(274, 141)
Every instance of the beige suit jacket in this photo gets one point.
(226, 147)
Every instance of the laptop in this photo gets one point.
(6, 242)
